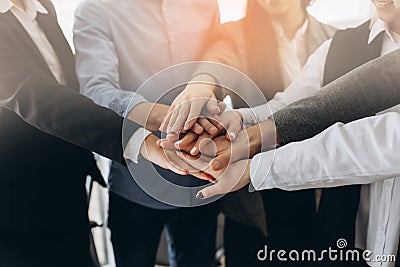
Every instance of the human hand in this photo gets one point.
(248, 143)
(168, 159)
(188, 106)
(229, 123)
(150, 116)
(233, 178)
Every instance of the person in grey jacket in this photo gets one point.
(310, 116)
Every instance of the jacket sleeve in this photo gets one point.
(39, 100)
(333, 157)
(363, 92)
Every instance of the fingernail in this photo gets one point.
(218, 109)
(177, 143)
(187, 126)
(199, 195)
(232, 135)
(216, 165)
(193, 151)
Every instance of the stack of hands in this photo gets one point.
(205, 141)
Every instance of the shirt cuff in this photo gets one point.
(249, 118)
(131, 103)
(132, 150)
(259, 174)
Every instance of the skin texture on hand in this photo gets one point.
(234, 177)
(149, 115)
(228, 123)
(189, 104)
(168, 159)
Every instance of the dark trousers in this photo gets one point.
(56, 248)
(136, 231)
(289, 217)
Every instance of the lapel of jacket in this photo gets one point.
(54, 34)
(349, 50)
(19, 32)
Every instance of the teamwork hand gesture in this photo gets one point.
(219, 156)
(204, 141)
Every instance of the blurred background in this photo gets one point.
(339, 13)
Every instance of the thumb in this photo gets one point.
(208, 192)
(221, 161)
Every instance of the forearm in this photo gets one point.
(263, 136)
(361, 152)
(80, 122)
(363, 92)
(148, 115)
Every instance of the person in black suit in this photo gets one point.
(47, 132)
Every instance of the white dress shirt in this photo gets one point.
(113, 62)
(310, 80)
(27, 18)
(121, 44)
(339, 156)
(293, 53)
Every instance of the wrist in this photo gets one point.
(206, 81)
(255, 140)
(148, 142)
(239, 114)
(262, 136)
(157, 115)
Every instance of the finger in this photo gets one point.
(188, 147)
(213, 107)
(171, 167)
(233, 130)
(221, 161)
(178, 163)
(204, 176)
(198, 162)
(186, 140)
(173, 137)
(210, 191)
(197, 128)
(203, 140)
(214, 120)
(172, 127)
(222, 107)
(207, 146)
(164, 124)
(194, 113)
(177, 122)
(208, 126)
(166, 144)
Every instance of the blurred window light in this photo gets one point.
(340, 13)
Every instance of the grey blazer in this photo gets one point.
(336, 103)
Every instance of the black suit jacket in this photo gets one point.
(47, 131)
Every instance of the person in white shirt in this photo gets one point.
(119, 45)
(47, 136)
(270, 45)
(340, 55)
